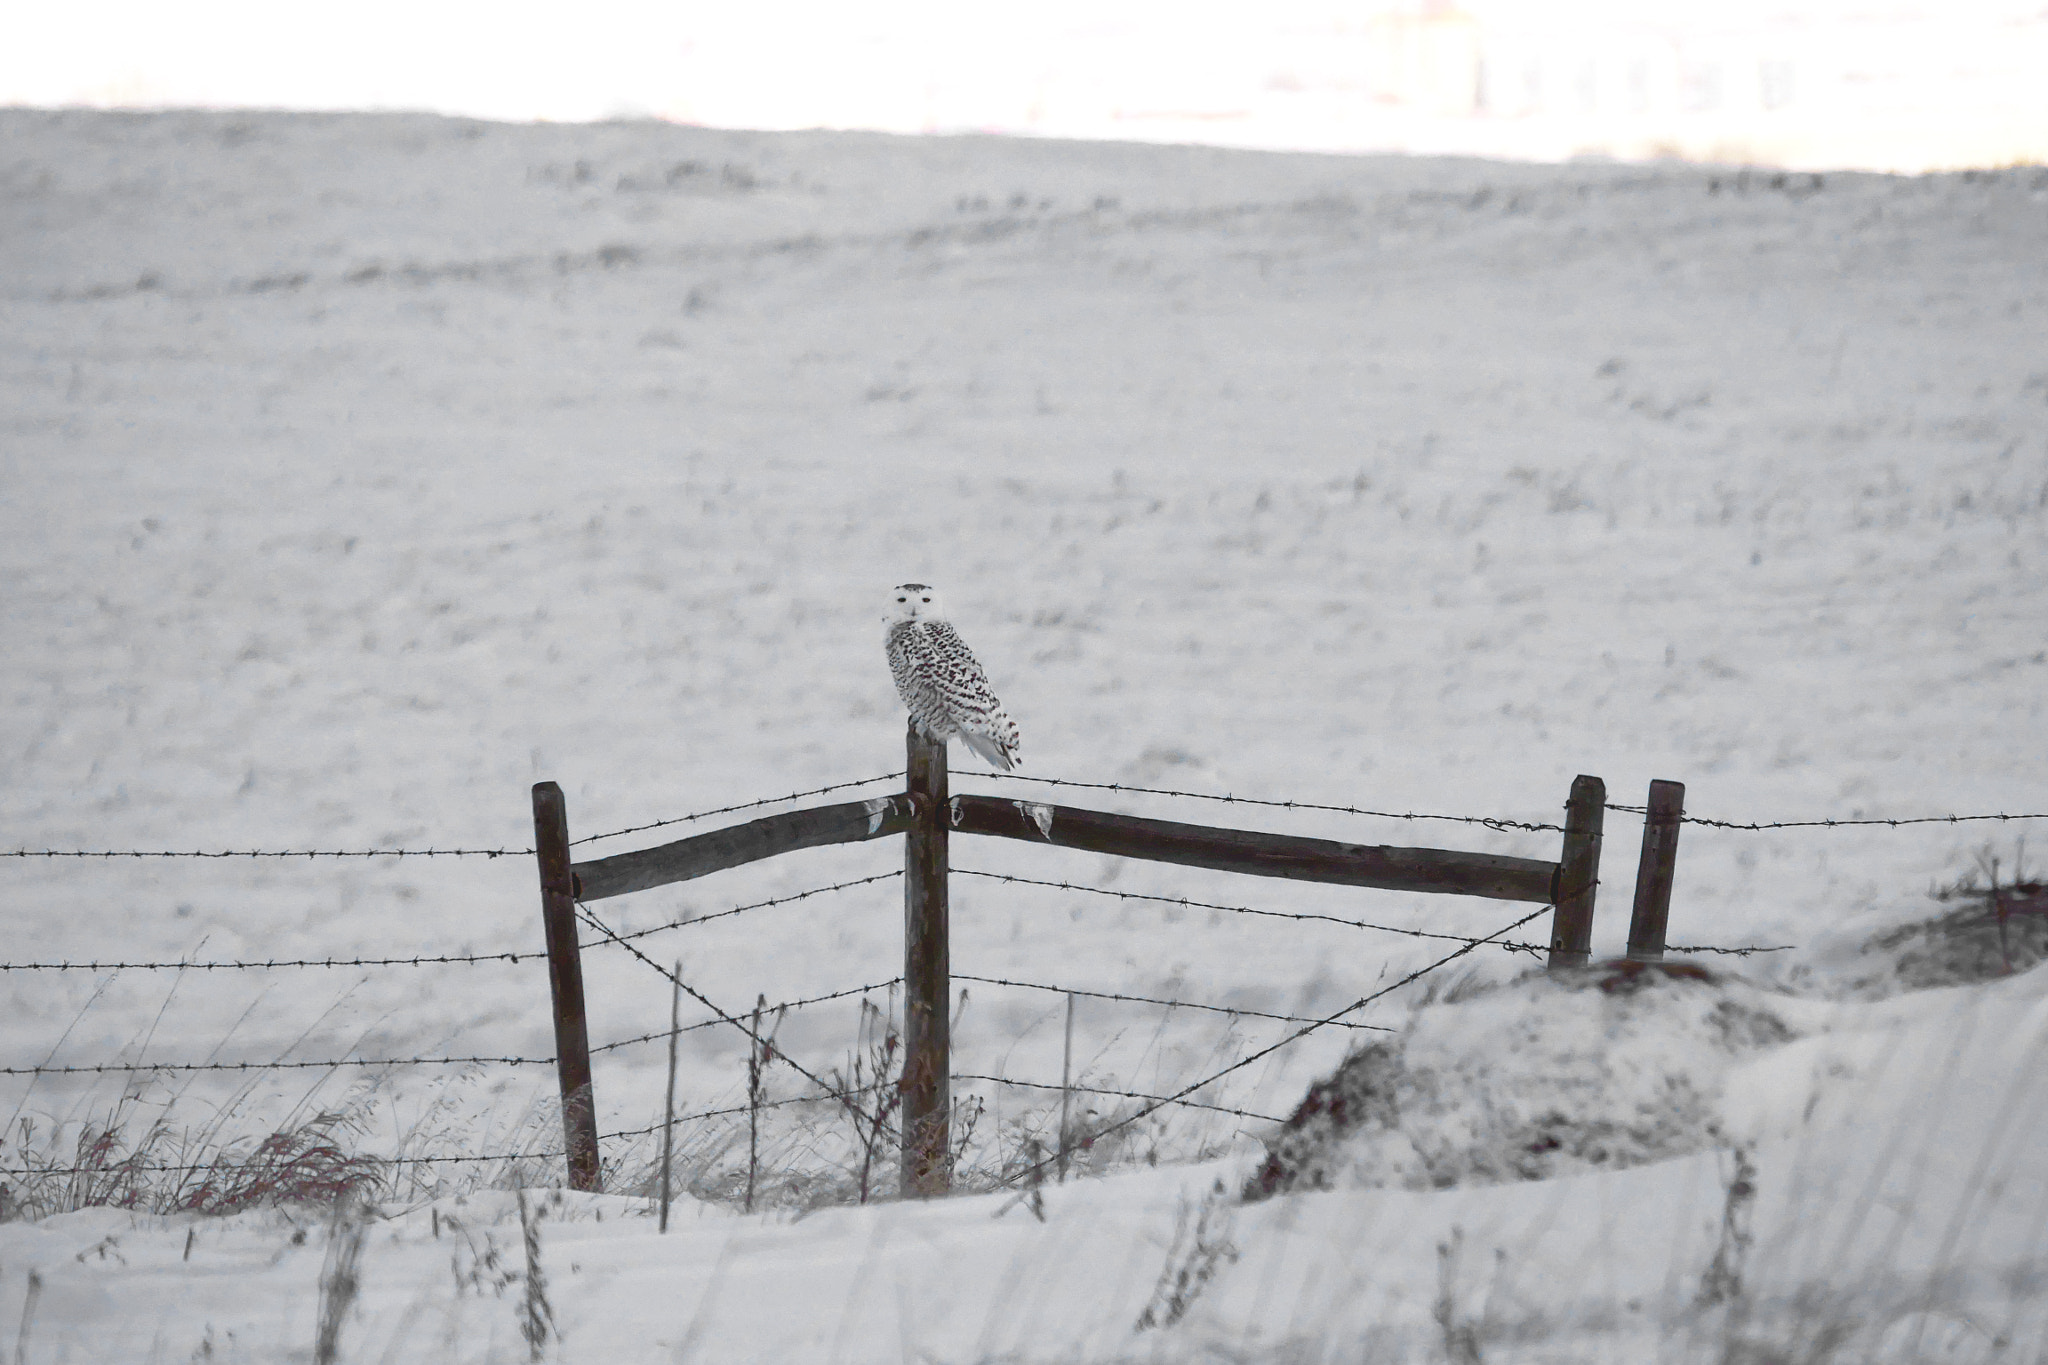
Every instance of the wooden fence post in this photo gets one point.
(565, 982)
(926, 1086)
(1659, 863)
(1578, 874)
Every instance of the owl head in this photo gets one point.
(915, 602)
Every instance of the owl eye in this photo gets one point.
(924, 599)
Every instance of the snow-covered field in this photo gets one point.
(361, 471)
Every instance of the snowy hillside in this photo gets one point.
(361, 471)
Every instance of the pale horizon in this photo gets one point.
(1909, 87)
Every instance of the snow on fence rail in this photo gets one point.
(927, 815)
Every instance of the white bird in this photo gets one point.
(940, 680)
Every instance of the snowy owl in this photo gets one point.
(940, 681)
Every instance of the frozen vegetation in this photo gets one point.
(361, 471)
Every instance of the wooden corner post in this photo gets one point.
(1578, 874)
(1661, 820)
(565, 981)
(926, 1086)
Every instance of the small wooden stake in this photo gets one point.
(926, 1085)
(565, 981)
(1066, 1082)
(1578, 874)
(1661, 822)
(668, 1107)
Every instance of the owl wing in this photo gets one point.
(963, 692)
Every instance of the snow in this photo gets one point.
(1899, 1199)
(363, 470)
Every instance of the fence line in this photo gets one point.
(1512, 945)
(826, 1091)
(1488, 821)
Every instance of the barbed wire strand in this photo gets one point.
(1125, 1094)
(1171, 1004)
(757, 905)
(1294, 1037)
(765, 1009)
(670, 975)
(144, 1067)
(1830, 824)
(1491, 822)
(1512, 945)
(1729, 952)
(271, 853)
(269, 963)
(744, 805)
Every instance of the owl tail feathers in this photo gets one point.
(998, 754)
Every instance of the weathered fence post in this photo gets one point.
(926, 1086)
(1659, 863)
(1578, 874)
(565, 981)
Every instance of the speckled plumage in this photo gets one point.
(941, 682)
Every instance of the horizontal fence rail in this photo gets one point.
(1488, 875)
(702, 854)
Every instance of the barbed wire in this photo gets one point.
(1499, 823)
(140, 1067)
(1829, 824)
(1490, 822)
(1151, 1000)
(756, 905)
(1296, 1036)
(765, 1009)
(1728, 952)
(1511, 945)
(268, 963)
(271, 853)
(744, 805)
(1124, 1094)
